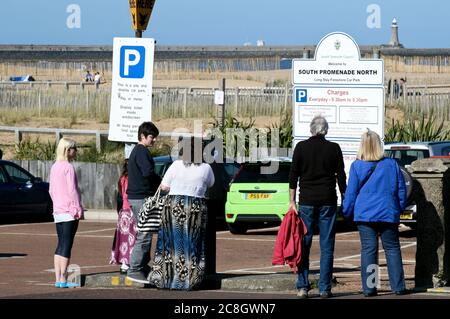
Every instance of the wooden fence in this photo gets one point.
(81, 99)
(74, 98)
(97, 182)
(59, 133)
(420, 99)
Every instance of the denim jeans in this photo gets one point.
(140, 256)
(369, 255)
(325, 216)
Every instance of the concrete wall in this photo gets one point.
(431, 193)
(97, 182)
(70, 62)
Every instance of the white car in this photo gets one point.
(405, 154)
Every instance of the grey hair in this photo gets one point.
(318, 126)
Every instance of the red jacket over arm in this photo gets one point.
(288, 246)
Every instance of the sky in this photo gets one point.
(422, 24)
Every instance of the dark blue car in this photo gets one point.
(217, 195)
(22, 193)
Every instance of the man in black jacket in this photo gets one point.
(142, 182)
(318, 163)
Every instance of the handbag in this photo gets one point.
(149, 217)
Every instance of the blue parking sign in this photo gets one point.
(132, 62)
(301, 95)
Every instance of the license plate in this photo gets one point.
(406, 215)
(257, 196)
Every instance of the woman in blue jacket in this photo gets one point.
(375, 197)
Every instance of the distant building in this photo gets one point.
(247, 44)
(260, 43)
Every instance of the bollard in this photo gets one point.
(431, 192)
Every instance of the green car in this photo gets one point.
(257, 200)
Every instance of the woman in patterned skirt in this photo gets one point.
(126, 230)
(180, 250)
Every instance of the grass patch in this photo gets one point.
(285, 130)
(412, 130)
(10, 118)
(35, 150)
(112, 152)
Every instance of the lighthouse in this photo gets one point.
(394, 35)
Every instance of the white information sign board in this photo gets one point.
(219, 97)
(337, 61)
(131, 92)
(349, 112)
(347, 90)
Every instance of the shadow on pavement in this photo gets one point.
(408, 233)
(11, 255)
(24, 219)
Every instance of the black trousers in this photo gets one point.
(66, 234)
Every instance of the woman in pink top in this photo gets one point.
(126, 230)
(67, 209)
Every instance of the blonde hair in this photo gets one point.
(63, 148)
(370, 148)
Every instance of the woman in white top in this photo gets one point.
(180, 249)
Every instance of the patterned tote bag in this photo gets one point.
(150, 214)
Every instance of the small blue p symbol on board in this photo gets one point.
(132, 62)
(301, 95)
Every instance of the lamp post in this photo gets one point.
(140, 10)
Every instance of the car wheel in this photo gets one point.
(408, 182)
(237, 229)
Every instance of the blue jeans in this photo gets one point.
(369, 255)
(325, 216)
(140, 256)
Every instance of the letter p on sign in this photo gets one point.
(301, 95)
(132, 62)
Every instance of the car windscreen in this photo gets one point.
(161, 168)
(406, 156)
(252, 173)
(17, 174)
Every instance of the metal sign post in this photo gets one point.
(215, 201)
(141, 11)
(219, 99)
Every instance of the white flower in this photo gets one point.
(123, 248)
(124, 225)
